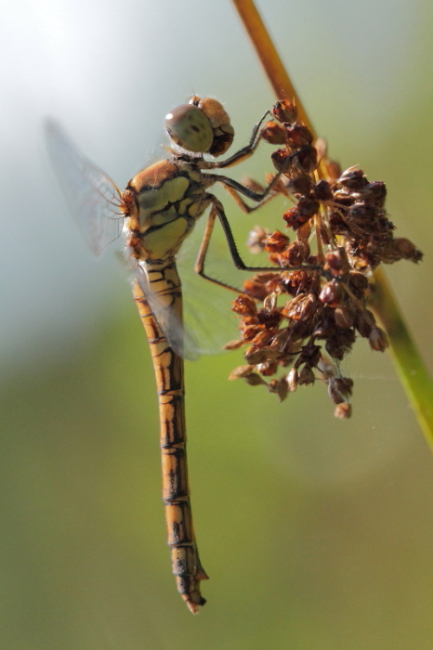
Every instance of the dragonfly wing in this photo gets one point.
(208, 319)
(93, 199)
(169, 322)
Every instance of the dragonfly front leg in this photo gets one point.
(243, 153)
(169, 375)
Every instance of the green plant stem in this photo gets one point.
(409, 365)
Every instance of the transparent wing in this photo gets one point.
(207, 307)
(208, 322)
(94, 200)
(177, 336)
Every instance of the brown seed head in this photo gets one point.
(302, 184)
(244, 306)
(345, 213)
(274, 133)
(378, 339)
(306, 376)
(285, 111)
(298, 135)
(343, 411)
(276, 242)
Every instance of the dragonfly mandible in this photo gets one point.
(156, 212)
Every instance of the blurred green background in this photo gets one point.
(317, 534)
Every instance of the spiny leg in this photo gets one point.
(243, 153)
(240, 202)
(234, 188)
(218, 211)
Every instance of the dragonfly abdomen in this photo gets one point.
(168, 367)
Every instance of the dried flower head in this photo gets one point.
(316, 299)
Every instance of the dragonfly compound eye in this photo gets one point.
(189, 127)
(223, 132)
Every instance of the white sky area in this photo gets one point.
(110, 71)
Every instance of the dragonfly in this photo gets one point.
(156, 212)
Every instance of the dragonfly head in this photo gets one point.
(202, 126)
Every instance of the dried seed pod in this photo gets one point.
(301, 213)
(331, 293)
(285, 111)
(322, 191)
(248, 331)
(358, 283)
(324, 234)
(321, 148)
(310, 354)
(406, 250)
(342, 200)
(282, 390)
(255, 289)
(301, 308)
(296, 254)
(364, 321)
(374, 193)
(333, 169)
(336, 261)
(325, 329)
(244, 305)
(308, 207)
(233, 345)
(256, 356)
(361, 212)
(254, 380)
(294, 219)
(256, 239)
(326, 367)
(267, 368)
(378, 339)
(274, 133)
(343, 411)
(276, 242)
(352, 179)
(305, 159)
(298, 282)
(340, 389)
(279, 386)
(306, 376)
(344, 316)
(269, 317)
(304, 232)
(338, 344)
(282, 160)
(292, 380)
(263, 340)
(300, 184)
(241, 372)
(298, 135)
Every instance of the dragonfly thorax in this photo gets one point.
(169, 196)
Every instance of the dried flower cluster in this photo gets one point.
(315, 298)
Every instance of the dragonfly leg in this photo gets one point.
(217, 211)
(230, 184)
(241, 203)
(243, 153)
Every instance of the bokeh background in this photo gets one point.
(317, 534)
